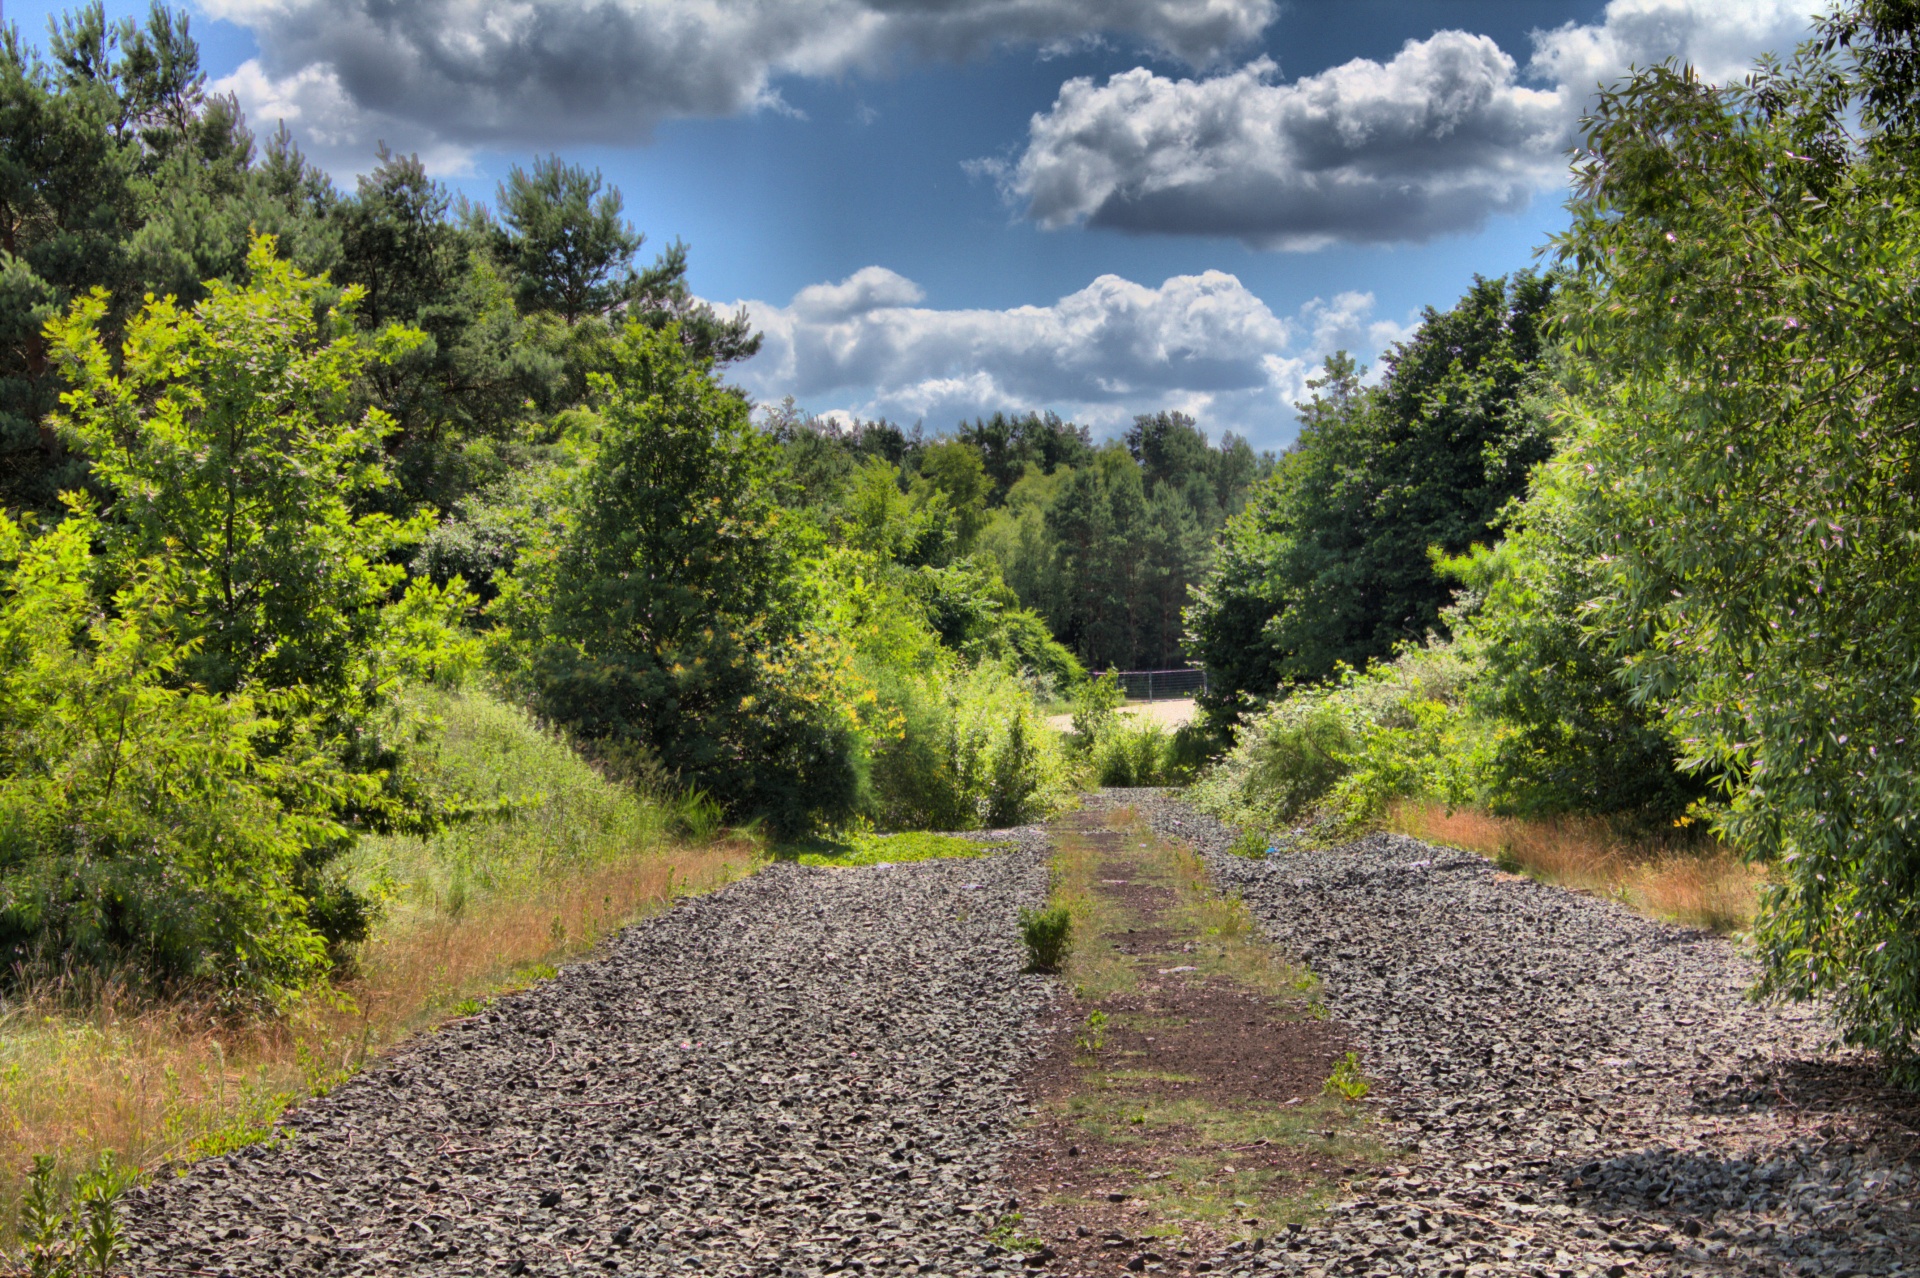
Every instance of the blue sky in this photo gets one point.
(937, 208)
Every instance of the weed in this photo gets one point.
(1251, 843)
(1049, 937)
(1346, 1081)
(1090, 1040)
(81, 1239)
(1009, 1231)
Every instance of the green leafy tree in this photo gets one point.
(145, 827)
(1328, 564)
(670, 617)
(228, 436)
(1746, 263)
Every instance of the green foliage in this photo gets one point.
(669, 616)
(962, 747)
(1048, 936)
(1094, 705)
(1131, 750)
(1092, 1039)
(1334, 755)
(899, 849)
(535, 810)
(1346, 1081)
(227, 435)
(1570, 736)
(1328, 564)
(80, 1239)
(1746, 264)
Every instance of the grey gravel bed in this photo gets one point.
(1579, 1090)
(808, 1070)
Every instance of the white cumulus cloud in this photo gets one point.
(444, 75)
(1434, 141)
(1204, 344)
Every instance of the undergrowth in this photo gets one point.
(90, 1067)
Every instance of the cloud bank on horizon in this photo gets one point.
(1203, 344)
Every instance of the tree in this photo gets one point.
(569, 252)
(670, 618)
(1748, 264)
(1334, 548)
(226, 433)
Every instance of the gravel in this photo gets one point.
(1578, 1090)
(810, 1070)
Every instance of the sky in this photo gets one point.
(936, 209)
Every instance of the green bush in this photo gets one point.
(147, 828)
(1048, 935)
(672, 616)
(1335, 755)
(1130, 750)
(966, 748)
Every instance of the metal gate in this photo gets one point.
(1161, 685)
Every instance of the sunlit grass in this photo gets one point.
(1703, 885)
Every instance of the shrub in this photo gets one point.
(147, 827)
(1129, 750)
(966, 748)
(672, 615)
(1048, 934)
(1336, 754)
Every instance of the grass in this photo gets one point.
(493, 905)
(1190, 1160)
(893, 849)
(1701, 885)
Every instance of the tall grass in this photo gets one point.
(1705, 885)
(86, 1067)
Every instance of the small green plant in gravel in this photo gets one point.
(1346, 1081)
(79, 1239)
(1009, 1231)
(1251, 843)
(1049, 937)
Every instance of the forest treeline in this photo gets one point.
(1630, 537)
(1698, 606)
(276, 455)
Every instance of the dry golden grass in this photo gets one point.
(1703, 885)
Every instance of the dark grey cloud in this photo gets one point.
(548, 72)
(1446, 134)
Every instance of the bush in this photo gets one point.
(1336, 754)
(146, 828)
(1130, 750)
(1048, 935)
(966, 747)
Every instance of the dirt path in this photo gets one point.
(1181, 1104)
